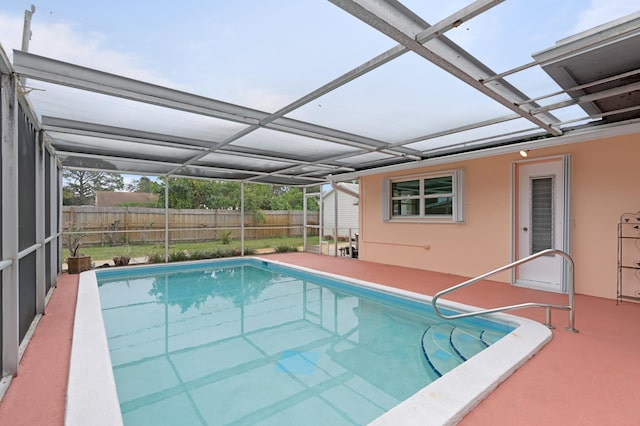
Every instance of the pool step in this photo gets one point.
(437, 349)
(490, 337)
(465, 344)
(445, 346)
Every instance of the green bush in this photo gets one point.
(219, 252)
(155, 257)
(225, 237)
(179, 255)
(182, 255)
(199, 254)
(285, 249)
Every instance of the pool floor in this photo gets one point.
(243, 344)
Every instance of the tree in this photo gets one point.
(180, 194)
(202, 194)
(144, 184)
(81, 185)
(292, 198)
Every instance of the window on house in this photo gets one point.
(436, 197)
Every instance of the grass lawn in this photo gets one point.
(140, 250)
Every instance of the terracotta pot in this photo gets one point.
(78, 264)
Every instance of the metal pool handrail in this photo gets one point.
(570, 292)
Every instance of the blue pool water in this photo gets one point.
(243, 341)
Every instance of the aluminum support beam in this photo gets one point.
(53, 218)
(26, 29)
(136, 166)
(304, 219)
(41, 288)
(166, 219)
(616, 91)
(325, 134)
(320, 220)
(10, 294)
(104, 159)
(66, 74)
(59, 214)
(572, 46)
(461, 129)
(5, 63)
(581, 87)
(446, 24)
(242, 218)
(62, 73)
(80, 128)
(576, 136)
(402, 25)
(113, 85)
(335, 223)
(604, 114)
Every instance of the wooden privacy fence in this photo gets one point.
(139, 225)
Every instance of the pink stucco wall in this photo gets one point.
(605, 183)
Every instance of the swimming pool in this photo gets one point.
(325, 352)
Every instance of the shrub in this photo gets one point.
(225, 237)
(199, 254)
(217, 253)
(285, 249)
(182, 255)
(260, 217)
(178, 256)
(155, 257)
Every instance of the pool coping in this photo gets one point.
(92, 396)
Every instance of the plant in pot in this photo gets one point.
(76, 262)
(124, 258)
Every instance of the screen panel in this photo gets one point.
(26, 182)
(26, 293)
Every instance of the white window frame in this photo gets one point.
(457, 198)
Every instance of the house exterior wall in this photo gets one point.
(604, 184)
(348, 213)
(116, 199)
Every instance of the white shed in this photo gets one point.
(348, 211)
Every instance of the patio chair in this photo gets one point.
(354, 248)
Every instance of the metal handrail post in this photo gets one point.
(547, 318)
(570, 290)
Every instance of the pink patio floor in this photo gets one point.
(589, 378)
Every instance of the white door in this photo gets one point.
(540, 223)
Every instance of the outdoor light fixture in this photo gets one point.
(524, 152)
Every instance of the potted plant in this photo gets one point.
(76, 262)
(121, 260)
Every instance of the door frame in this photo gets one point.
(567, 234)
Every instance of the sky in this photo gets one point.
(267, 53)
(238, 51)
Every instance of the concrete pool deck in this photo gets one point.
(589, 378)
